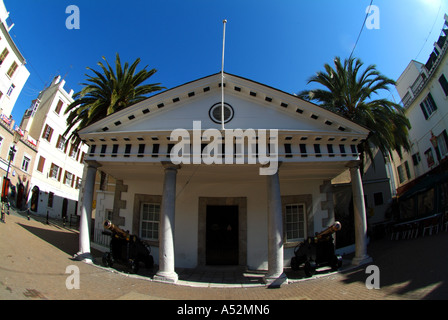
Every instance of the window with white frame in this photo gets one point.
(55, 171)
(3, 56)
(442, 143)
(48, 132)
(73, 152)
(295, 227)
(25, 163)
(428, 106)
(149, 221)
(68, 179)
(12, 69)
(10, 90)
(61, 143)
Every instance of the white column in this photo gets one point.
(275, 275)
(167, 214)
(86, 213)
(361, 256)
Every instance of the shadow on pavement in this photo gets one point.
(64, 239)
(410, 265)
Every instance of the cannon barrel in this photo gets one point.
(329, 231)
(121, 233)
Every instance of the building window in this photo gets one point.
(78, 183)
(295, 222)
(416, 158)
(81, 160)
(68, 179)
(429, 157)
(401, 175)
(40, 164)
(25, 163)
(428, 106)
(330, 150)
(408, 171)
(73, 152)
(55, 171)
(378, 198)
(12, 69)
(149, 221)
(48, 132)
(50, 200)
(317, 150)
(61, 144)
(444, 84)
(59, 106)
(3, 55)
(10, 90)
(442, 143)
(342, 150)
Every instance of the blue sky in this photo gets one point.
(279, 43)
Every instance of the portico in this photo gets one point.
(259, 217)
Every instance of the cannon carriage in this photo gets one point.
(126, 248)
(317, 251)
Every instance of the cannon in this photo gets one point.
(126, 248)
(317, 251)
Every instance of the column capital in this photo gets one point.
(170, 165)
(355, 164)
(93, 164)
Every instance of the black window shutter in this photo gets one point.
(424, 111)
(432, 101)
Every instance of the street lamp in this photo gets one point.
(6, 181)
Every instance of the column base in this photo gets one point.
(170, 277)
(358, 261)
(275, 281)
(84, 257)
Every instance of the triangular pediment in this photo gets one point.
(253, 106)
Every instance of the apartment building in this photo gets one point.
(13, 73)
(17, 155)
(59, 165)
(420, 176)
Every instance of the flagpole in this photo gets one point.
(222, 74)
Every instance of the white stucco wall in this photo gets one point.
(186, 223)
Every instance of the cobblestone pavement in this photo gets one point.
(34, 257)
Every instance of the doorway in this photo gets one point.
(222, 235)
(64, 208)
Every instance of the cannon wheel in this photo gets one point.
(133, 265)
(336, 262)
(310, 268)
(108, 261)
(294, 264)
(149, 262)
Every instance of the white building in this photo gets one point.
(194, 213)
(13, 73)
(423, 89)
(59, 166)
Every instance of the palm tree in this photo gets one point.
(349, 93)
(107, 92)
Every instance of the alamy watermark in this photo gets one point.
(373, 280)
(73, 20)
(73, 280)
(373, 20)
(213, 147)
